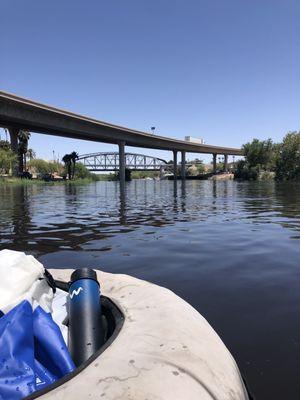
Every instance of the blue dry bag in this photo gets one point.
(33, 353)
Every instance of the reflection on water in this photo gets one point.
(44, 219)
(230, 249)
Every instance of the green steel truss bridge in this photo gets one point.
(110, 162)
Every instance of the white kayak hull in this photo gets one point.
(164, 350)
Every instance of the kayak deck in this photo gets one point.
(164, 350)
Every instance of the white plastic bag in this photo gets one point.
(59, 313)
(22, 278)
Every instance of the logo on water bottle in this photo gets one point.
(75, 292)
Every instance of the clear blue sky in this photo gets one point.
(224, 70)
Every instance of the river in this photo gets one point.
(231, 249)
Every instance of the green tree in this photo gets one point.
(81, 172)
(30, 154)
(288, 160)
(200, 168)
(40, 166)
(7, 160)
(245, 172)
(196, 168)
(43, 167)
(5, 145)
(260, 154)
(144, 174)
(56, 167)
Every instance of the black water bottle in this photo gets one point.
(85, 326)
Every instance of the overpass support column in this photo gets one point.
(183, 165)
(225, 162)
(122, 165)
(13, 133)
(175, 164)
(214, 163)
(161, 172)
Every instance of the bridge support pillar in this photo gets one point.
(175, 164)
(214, 163)
(13, 133)
(183, 165)
(122, 165)
(226, 162)
(161, 172)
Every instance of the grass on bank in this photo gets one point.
(27, 182)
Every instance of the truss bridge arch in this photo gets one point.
(111, 162)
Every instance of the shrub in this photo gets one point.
(288, 161)
(81, 172)
(261, 154)
(7, 160)
(245, 172)
(42, 167)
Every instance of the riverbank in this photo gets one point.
(222, 177)
(28, 182)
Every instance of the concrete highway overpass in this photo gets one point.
(19, 113)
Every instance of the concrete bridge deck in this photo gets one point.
(27, 114)
(19, 113)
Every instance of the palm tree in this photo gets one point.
(23, 138)
(68, 162)
(30, 154)
(74, 157)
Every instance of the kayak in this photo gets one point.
(140, 341)
(158, 347)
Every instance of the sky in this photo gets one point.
(222, 70)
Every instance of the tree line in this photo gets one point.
(265, 159)
(24, 162)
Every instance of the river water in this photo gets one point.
(231, 249)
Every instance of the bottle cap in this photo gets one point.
(83, 273)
